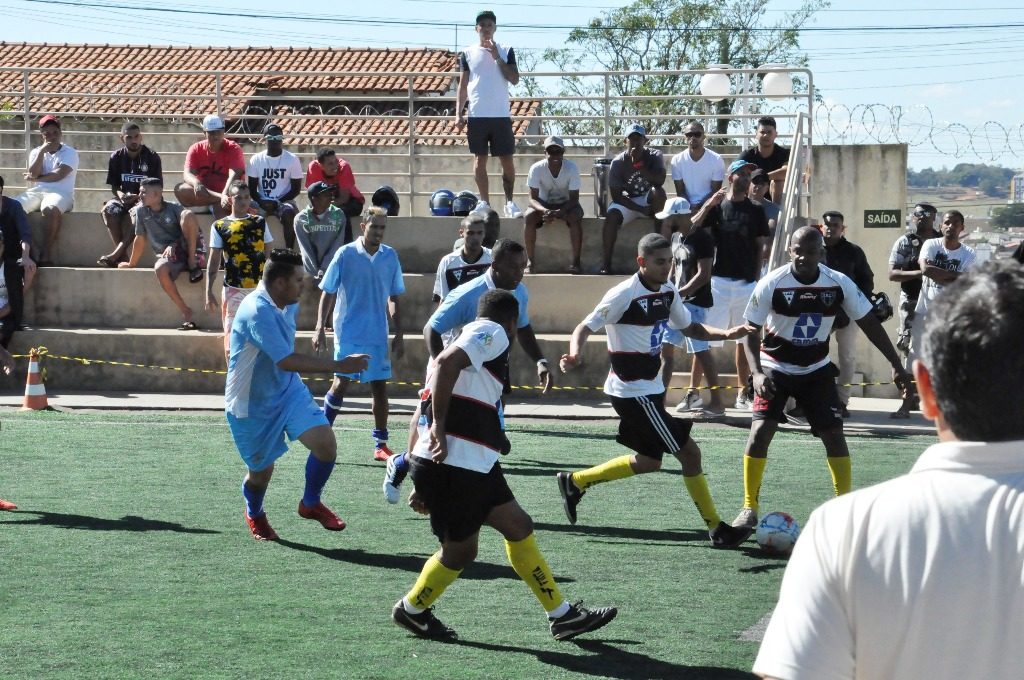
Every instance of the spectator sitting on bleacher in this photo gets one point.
(320, 230)
(769, 156)
(52, 167)
(210, 166)
(337, 172)
(173, 233)
(127, 166)
(697, 171)
(275, 179)
(635, 180)
(18, 267)
(554, 195)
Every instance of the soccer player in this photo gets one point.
(637, 314)
(265, 399)
(797, 305)
(465, 264)
(363, 283)
(460, 484)
(6, 367)
(245, 241)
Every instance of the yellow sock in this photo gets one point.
(616, 468)
(697, 486)
(433, 580)
(842, 474)
(531, 567)
(753, 473)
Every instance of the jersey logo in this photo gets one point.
(806, 329)
(828, 297)
(457, 274)
(643, 304)
(485, 338)
(788, 294)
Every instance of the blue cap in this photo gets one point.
(636, 128)
(739, 164)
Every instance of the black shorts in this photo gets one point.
(647, 428)
(815, 393)
(577, 210)
(459, 500)
(491, 133)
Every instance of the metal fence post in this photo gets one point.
(27, 114)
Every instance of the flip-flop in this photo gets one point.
(195, 275)
(574, 269)
(188, 326)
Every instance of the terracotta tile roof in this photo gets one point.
(192, 95)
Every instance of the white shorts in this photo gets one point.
(230, 299)
(730, 301)
(37, 200)
(628, 215)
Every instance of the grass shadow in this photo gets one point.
(682, 536)
(87, 523)
(608, 660)
(560, 434)
(478, 571)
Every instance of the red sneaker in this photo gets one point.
(321, 513)
(7, 505)
(381, 452)
(260, 527)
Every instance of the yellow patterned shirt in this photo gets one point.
(242, 240)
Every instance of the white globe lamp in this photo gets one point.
(715, 86)
(776, 85)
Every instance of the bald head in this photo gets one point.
(806, 236)
(806, 250)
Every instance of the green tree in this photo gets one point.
(1011, 215)
(667, 35)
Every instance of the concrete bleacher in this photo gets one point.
(82, 310)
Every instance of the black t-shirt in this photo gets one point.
(687, 251)
(735, 228)
(1019, 253)
(778, 158)
(124, 172)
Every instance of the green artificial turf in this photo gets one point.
(128, 558)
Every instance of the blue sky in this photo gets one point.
(967, 77)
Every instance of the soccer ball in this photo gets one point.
(776, 533)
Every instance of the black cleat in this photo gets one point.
(579, 620)
(571, 495)
(424, 624)
(725, 536)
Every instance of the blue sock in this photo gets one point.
(332, 406)
(380, 437)
(253, 500)
(317, 474)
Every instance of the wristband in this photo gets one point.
(542, 363)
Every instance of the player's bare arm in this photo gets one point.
(575, 356)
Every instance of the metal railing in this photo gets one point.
(795, 192)
(401, 136)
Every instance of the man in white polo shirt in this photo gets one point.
(554, 195)
(920, 576)
(697, 172)
(487, 69)
(52, 167)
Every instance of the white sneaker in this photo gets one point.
(512, 210)
(691, 402)
(742, 402)
(482, 208)
(747, 518)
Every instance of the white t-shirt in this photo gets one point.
(935, 253)
(274, 174)
(698, 175)
(65, 155)
(916, 577)
(473, 425)
(550, 188)
(488, 89)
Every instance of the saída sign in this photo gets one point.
(882, 219)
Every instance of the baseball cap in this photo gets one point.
(554, 140)
(759, 178)
(486, 14)
(46, 120)
(317, 188)
(675, 206)
(739, 164)
(272, 129)
(212, 123)
(636, 128)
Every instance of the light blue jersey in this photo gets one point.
(459, 308)
(261, 335)
(363, 284)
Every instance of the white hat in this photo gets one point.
(212, 123)
(675, 206)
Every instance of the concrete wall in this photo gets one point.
(852, 179)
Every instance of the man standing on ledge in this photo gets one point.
(487, 69)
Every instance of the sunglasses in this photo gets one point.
(922, 213)
(693, 134)
(274, 138)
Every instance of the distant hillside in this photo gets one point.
(990, 180)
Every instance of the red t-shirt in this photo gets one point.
(212, 168)
(344, 179)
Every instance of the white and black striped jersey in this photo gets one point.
(797, 318)
(453, 271)
(635, 319)
(473, 426)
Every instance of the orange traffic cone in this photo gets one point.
(35, 390)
